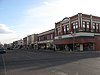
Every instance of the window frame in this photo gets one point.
(75, 26)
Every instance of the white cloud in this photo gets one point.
(43, 17)
(8, 38)
(7, 35)
(5, 29)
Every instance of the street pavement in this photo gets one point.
(32, 62)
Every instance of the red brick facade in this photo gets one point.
(97, 43)
(78, 32)
(45, 39)
(79, 29)
(24, 42)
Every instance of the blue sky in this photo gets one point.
(12, 10)
(11, 14)
(19, 18)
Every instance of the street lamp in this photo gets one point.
(73, 35)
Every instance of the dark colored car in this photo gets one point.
(2, 51)
(9, 48)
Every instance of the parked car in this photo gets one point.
(2, 50)
(9, 48)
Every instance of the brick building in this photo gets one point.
(77, 33)
(45, 39)
(15, 44)
(20, 43)
(24, 42)
(32, 40)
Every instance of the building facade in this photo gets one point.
(80, 32)
(45, 39)
(77, 33)
(15, 44)
(25, 42)
(20, 43)
(32, 41)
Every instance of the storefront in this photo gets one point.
(79, 44)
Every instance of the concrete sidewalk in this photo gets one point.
(79, 52)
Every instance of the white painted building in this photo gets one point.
(20, 43)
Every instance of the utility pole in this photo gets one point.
(73, 36)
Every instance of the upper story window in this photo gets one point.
(48, 37)
(86, 26)
(64, 29)
(51, 36)
(75, 27)
(95, 27)
(59, 31)
(67, 28)
(45, 37)
(39, 39)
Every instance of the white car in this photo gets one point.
(2, 51)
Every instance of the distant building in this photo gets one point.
(24, 42)
(15, 44)
(80, 32)
(45, 39)
(1, 45)
(20, 43)
(8, 46)
(77, 33)
(32, 40)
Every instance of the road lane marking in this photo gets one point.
(5, 70)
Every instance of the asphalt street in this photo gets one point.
(28, 62)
